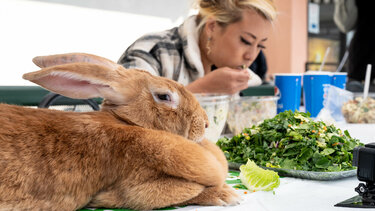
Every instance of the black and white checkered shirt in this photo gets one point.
(173, 54)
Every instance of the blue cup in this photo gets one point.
(339, 79)
(289, 86)
(314, 83)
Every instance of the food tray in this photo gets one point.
(311, 175)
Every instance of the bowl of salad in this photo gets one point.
(245, 112)
(216, 107)
(294, 145)
(359, 110)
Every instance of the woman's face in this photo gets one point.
(238, 44)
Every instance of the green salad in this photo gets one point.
(292, 140)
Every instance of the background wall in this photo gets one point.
(287, 48)
(29, 28)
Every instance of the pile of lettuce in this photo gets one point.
(292, 140)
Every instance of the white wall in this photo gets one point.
(31, 28)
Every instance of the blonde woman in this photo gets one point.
(226, 36)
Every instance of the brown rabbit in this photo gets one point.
(143, 150)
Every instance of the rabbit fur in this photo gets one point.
(143, 150)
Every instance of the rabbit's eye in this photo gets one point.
(164, 97)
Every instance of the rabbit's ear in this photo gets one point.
(57, 59)
(78, 80)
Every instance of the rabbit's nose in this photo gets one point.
(206, 125)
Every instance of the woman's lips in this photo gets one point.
(242, 67)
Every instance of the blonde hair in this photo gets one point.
(230, 11)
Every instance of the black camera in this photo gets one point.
(364, 159)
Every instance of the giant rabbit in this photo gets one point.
(143, 150)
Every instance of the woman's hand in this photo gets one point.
(223, 80)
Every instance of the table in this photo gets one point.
(300, 194)
(295, 194)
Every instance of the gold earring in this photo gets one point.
(208, 45)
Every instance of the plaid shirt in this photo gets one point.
(173, 54)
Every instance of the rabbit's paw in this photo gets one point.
(217, 196)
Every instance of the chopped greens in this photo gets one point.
(292, 140)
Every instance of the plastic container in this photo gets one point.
(216, 107)
(245, 112)
(358, 110)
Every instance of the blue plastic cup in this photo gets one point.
(314, 83)
(339, 79)
(289, 86)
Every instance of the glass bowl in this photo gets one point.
(216, 107)
(245, 112)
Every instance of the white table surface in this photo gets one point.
(300, 194)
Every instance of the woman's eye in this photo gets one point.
(261, 46)
(249, 43)
(164, 97)
(245, 41)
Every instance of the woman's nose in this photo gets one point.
(250, 54)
